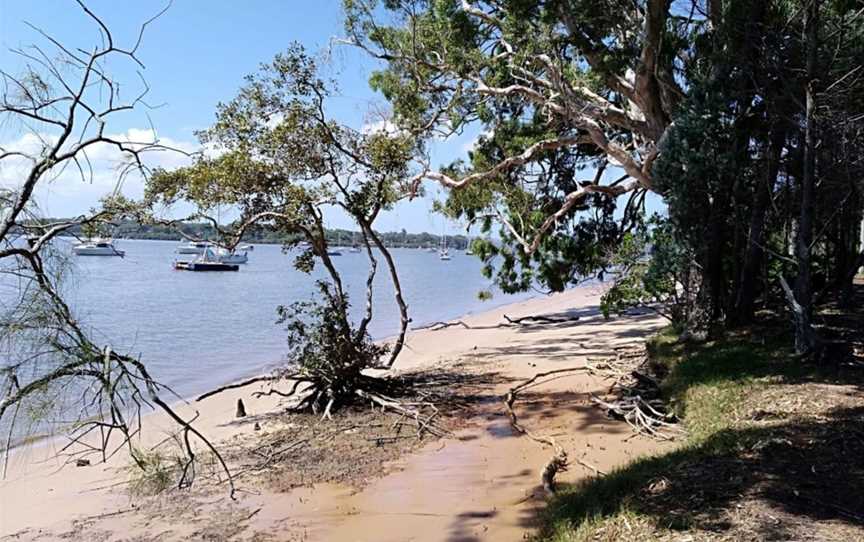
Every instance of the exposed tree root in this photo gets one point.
(318, 394)
(642, 416)
(559, 461)
(637, 395)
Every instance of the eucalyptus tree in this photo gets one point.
(277, 159)
(556, 88)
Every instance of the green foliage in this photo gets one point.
(436, 53)
(281, 159)
(652, 268)
(324, 347)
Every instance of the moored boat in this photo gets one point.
(208, 261)
(194, 247)
(196, 265)
(231, 256)
(97, 247)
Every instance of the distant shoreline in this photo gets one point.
(127, 229)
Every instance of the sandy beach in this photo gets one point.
(480, 483)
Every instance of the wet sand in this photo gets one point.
(481, 484)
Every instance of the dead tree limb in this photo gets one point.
(243, 384)
(540, 319)
(436, 326)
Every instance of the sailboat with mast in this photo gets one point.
(354, 246)
(443, 253)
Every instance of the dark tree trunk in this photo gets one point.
(804, 336)
(746, 299)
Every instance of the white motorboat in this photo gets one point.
(194, 247)
(354, 248)
(231, 256)
(97, 247)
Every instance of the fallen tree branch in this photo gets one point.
(236, 385)
(524, 320)
(541, 319)
(442, 325)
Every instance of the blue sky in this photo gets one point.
(196, 55)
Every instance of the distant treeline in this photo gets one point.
(201, 230)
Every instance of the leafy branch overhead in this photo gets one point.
(556, 88)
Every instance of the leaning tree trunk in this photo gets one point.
(397, 287)
(804, 337)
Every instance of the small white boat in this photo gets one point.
(231, 256)
(194, 247)
(354, 248)
(245, 247)
(97, 247)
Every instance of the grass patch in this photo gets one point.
(152, 473)
(725, 456)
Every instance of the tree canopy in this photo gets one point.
(722, 108)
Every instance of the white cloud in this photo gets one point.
(469, 145)
(66, 191)
(385, 126)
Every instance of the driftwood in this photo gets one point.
(644, 417)
(508, 321)
(540, 319)
(424, 424)
(443, 325)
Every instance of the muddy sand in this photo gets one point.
(480, 482)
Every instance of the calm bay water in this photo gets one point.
(199, 330)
